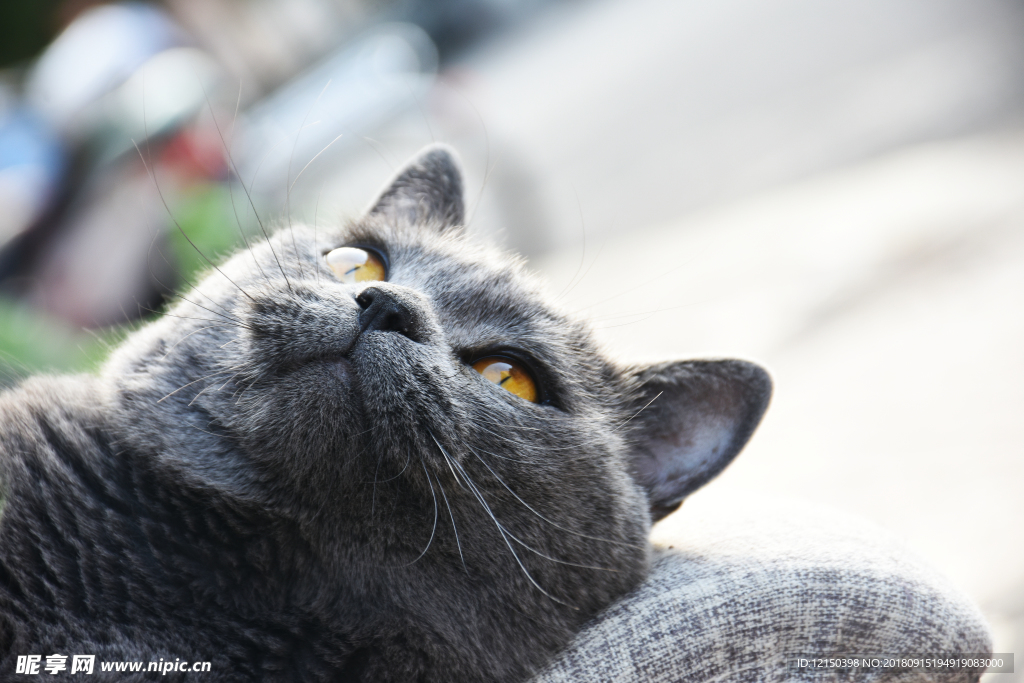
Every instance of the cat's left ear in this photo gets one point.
(698, 416)
(427, 190)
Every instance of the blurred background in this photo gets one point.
(835, 190)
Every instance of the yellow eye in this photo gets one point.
(509, 375)
(353, 265)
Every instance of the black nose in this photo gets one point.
(383, 311)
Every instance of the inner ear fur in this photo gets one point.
(698, 416)
(427, 190)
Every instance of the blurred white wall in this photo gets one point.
(624, 114)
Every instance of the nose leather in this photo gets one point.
(384, 311)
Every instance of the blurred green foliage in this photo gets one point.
(204, 214)
(33, 342)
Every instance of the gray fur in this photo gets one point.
(429, 189)
(272, 479)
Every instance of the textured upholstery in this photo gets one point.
(734, 593)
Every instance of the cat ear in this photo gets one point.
(698, 416)
(426, 190)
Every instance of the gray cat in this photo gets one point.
(377, 454)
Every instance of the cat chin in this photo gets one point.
(340, 369)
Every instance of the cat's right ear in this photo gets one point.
(426, 191)
(691, 419)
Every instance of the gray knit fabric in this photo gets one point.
(740, 591)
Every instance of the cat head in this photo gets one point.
(412, 399)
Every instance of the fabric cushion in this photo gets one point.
(733, 594)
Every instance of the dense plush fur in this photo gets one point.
(273, 479)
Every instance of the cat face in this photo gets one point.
(453, 446)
